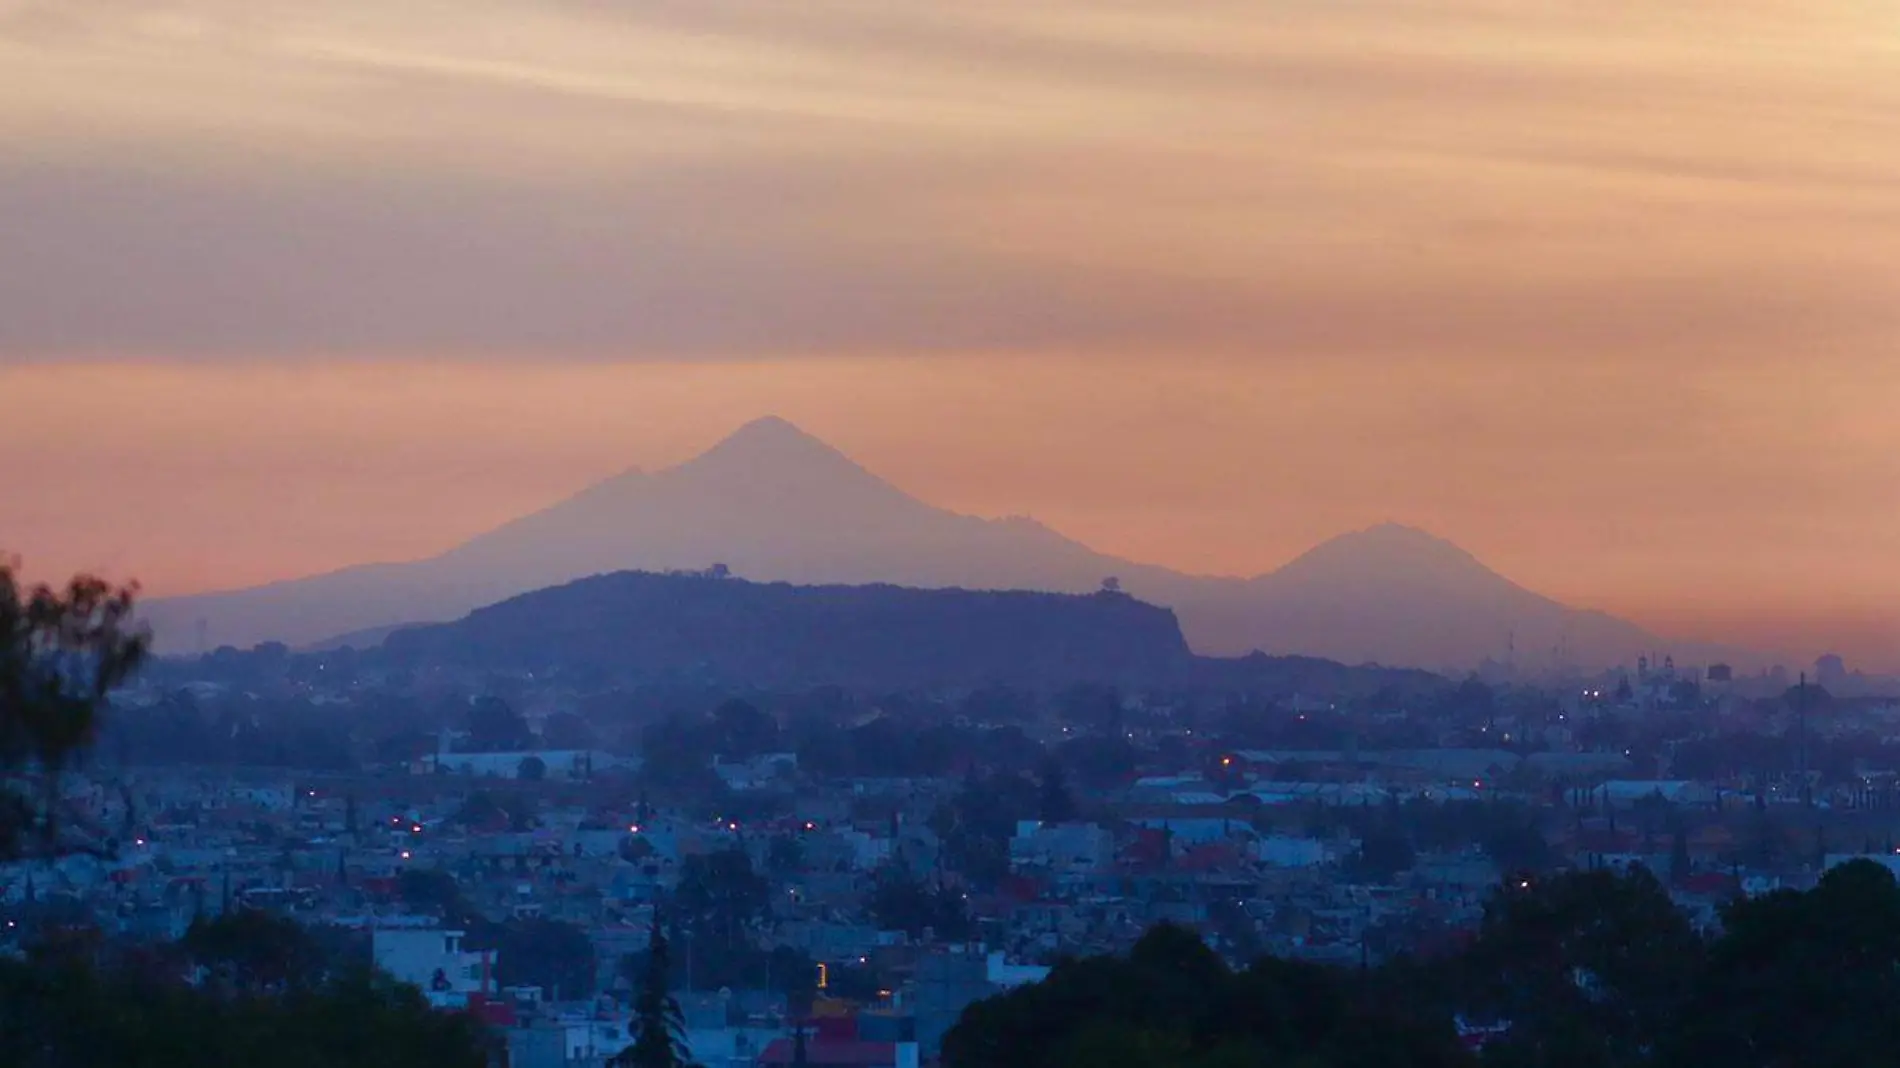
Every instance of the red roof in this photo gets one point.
(1710, 884)
(823, 1053)
(1020, 888)
(1212, 857)
(492, 1013)
(834, 1029)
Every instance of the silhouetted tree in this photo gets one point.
(496, 728)
(254, 951)
(1057, 804)
(1802, 978)
(659, 1029)
(1593, 967)
(566, 730)
(61, 653)
(555, 956)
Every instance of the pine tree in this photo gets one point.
(1057, 803)
(1679, 860)
(659, 1028)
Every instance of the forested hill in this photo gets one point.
(642, 625)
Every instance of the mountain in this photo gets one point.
(1399, 595)
(642, 627)
(774, 503)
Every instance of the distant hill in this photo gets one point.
(1399, 595)
(645, 627)
(774, 503)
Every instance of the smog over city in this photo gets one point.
(996, 535)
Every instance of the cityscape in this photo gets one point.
(851, 534)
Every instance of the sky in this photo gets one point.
(1605, 291)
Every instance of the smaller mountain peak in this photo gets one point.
(771, 451)
(1389, 545)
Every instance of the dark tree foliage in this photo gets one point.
(741, 731)
(902, 902)
(785, 854)
(61, 653)
(719, 899)
(1384, 854)
(1591, 969)
(1057, 803)
(557, 957)
(1101, 762)
(72, 1012)
(494, 727)
(253, 951)
(483, 809)
(1518, 848)
(977, 823)
(270, 992)
(659, 1029)
(567, 730)
(1809, 979)
(1091, 705)
(1594, 967)
(1172, 1003)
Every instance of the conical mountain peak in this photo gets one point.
(772, 445)
(1386, 556)
(1397, 540)
(770, 434)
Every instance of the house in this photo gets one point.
(1061, 847)
(1286, 851)
(842, 1053)
(1628, 793)
(572, 765)
(759, 772)
(1001, 973)
(432, 959)
(835, 1042)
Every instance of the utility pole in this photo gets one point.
(1801, 721)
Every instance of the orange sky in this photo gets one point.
(1605, 292)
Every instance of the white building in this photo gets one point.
(571, 765)
(1287, 851)
(433, 959)
(1061, 847)
(1001, 973)
(1628, 793)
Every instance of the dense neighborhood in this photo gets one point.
(840, 876)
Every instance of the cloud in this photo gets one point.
(209, 179)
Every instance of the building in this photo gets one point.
(1079, 848)
(433, 959)
(835, 1043)
(570, 765)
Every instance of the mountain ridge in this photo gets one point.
(775, 503)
